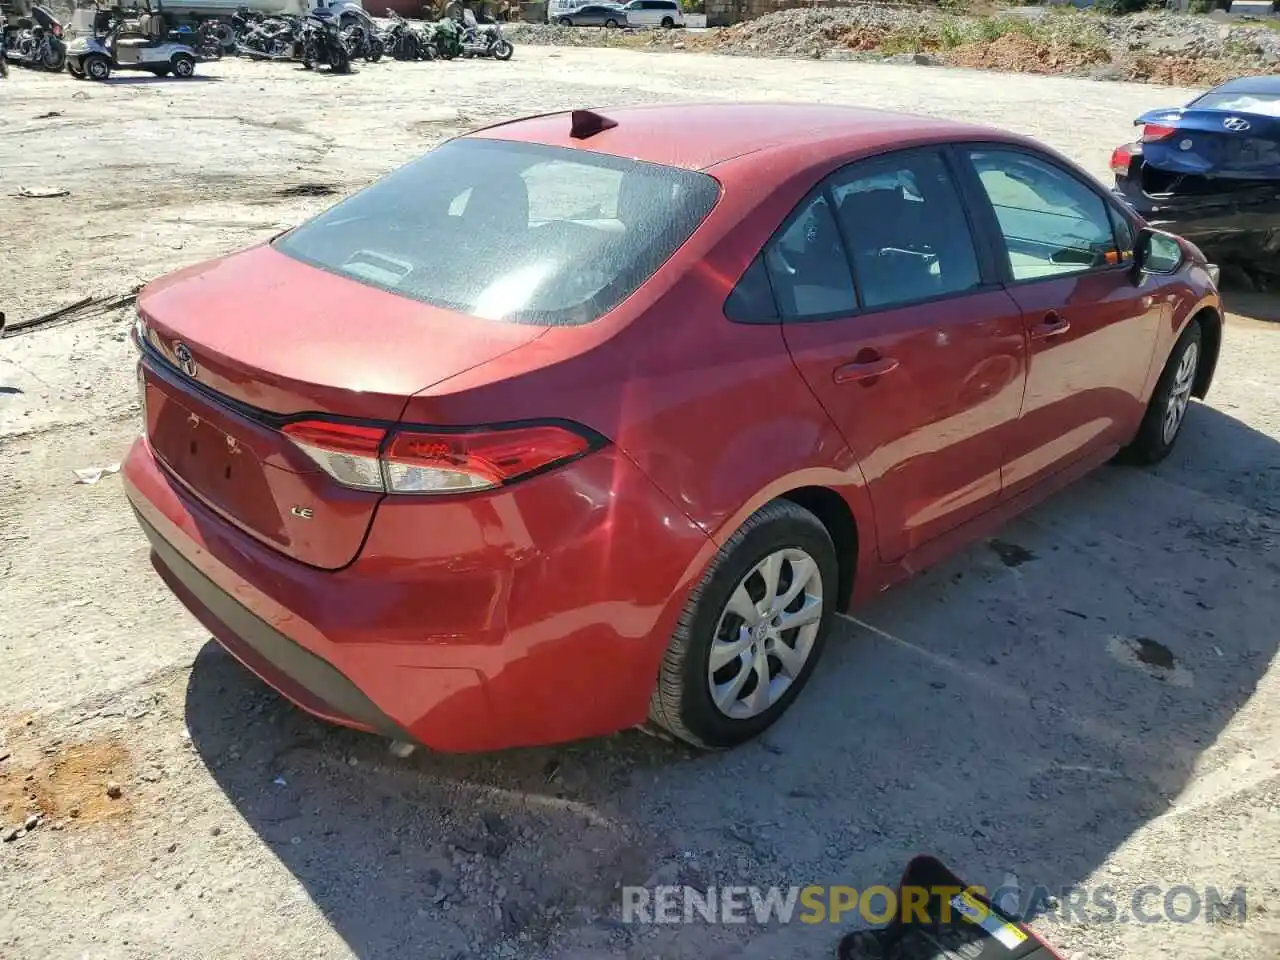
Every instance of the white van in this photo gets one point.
(654, 13)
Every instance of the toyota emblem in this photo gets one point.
(1238, 124)
(186, 362)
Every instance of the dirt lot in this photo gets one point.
(1103, 711)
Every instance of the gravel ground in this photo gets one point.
(1103, 712)
(1154, 47)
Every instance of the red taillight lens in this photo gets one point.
(1152, 132)
(1121, 157)
(411, 460)
(347, 452)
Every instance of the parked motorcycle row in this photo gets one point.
(319, 39)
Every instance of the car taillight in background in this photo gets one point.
(420, 460)
(1122, 156)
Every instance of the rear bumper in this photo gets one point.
(530, 616)
(310, 682)
(1202, 218)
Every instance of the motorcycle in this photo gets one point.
(484, 39)
(444, 39)
(400, 39)
(267, 39)
(362, 38)
(37, 42)
(321, 45)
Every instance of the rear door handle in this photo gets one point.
(865, 370)
(1054, 324)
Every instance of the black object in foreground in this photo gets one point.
(948, 922)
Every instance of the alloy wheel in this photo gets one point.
(1180, 392)
(765, 634)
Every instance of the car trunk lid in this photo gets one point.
(239, 347)
(1237, 145)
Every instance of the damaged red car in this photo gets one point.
(595, 420)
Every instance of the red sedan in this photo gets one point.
(586, 421)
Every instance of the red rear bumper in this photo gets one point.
(533, 615)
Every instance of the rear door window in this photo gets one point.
(906, 229)
(1051, 221)
(512, 231)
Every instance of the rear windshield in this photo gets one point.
(510, 231)
(1263, 104)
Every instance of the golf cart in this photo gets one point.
(123, 44)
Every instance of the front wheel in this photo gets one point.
(339, 62)
(502, 50)
(373, 53)
(97, 67)
(184, 66)
(752, 630)
(565, 22)
(1162, 424)
(667, 23)
(610, 24)
(55, 56)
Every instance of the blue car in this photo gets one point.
(1210, 171)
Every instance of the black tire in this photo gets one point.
(565, 22)
(1153, 442)
(339, 62)
(667, 23)
(55, 57)
(184, 65)
(96, 67)
(610, 24)
(682, 702)
(502, 50)
(373, 53)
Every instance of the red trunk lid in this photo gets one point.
(258, 336)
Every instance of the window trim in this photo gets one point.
(986, 210)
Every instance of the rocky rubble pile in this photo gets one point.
(1157, 47)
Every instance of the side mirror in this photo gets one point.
(1157, 253)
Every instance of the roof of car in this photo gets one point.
(1269, 84)
(697, 136)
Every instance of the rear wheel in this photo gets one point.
(184, 65)
(610, 24)
(97, 67)
(339, 62)
(667, 23)
(752, 630)
(1167, 409)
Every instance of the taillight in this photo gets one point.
(414, 460)
(1152, 132)
(1122, 157)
